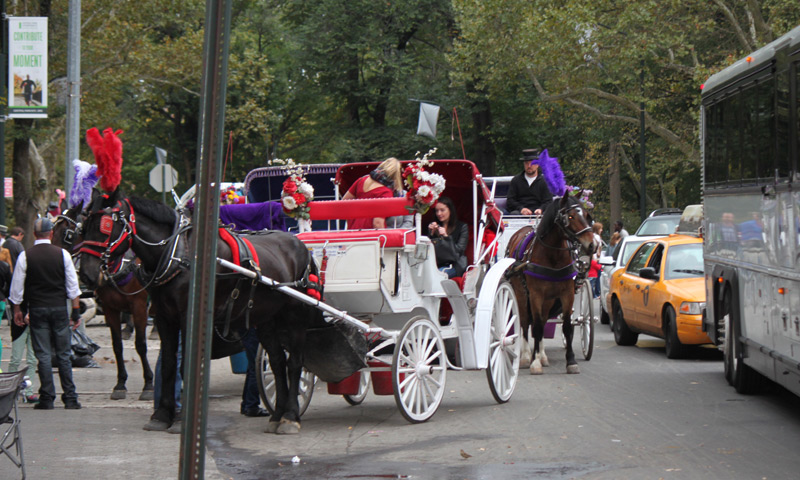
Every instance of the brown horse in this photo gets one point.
(545, 271)
(125, 295)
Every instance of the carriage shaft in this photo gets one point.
(335, 313)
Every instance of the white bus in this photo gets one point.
(751, 204)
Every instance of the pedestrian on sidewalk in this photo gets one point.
(44, 277)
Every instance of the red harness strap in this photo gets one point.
(228, 238)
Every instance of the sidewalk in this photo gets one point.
(105, 438)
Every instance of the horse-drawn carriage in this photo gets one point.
(396, 316)
(419, 323)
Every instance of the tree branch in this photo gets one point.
(650, 124)
(735, 24)
(754, 10)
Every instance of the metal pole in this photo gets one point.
(643, 197)
(74, 91)
(3, 86)
(197, 358)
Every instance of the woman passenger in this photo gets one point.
(450, 238)
(385, 181)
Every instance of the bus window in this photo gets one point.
(748, 131)
(765, 128)
(732, 137)
(712, 147)
(782, 155)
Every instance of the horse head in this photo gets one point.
(574, 221)
(67, 228)
(108, 232)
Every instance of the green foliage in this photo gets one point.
(338, 80)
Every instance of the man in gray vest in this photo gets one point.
(44, 277)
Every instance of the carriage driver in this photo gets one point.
(528, 193)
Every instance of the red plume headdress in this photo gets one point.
(107, 151)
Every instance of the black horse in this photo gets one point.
(545, 272)
(161, 241)
(124, 295)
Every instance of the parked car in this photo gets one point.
(662, 221)
(661, 292)
(611, 263)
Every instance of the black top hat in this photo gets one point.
(3, 230)
(530, 154)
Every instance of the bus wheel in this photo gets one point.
(743, 378)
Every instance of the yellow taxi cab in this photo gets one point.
(661, 292)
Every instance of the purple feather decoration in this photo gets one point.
(553, 175)
(85, 179)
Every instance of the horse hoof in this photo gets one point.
(288, 427)
(525, 361)
(146, 395)
(545, 362)
(573, 369)
(119, 394)
(536, 370)
(175, 427)
(155, 425)
(272, 427)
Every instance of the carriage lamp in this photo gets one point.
(692, 308)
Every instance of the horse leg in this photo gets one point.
(113, 322)
(277, 363)
(567, 328)
(139, 313)
(165, 411)
(526, 350)
(538, 334)
(290, 423)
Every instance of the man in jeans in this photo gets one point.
(44, 277)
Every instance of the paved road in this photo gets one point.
(631, 413)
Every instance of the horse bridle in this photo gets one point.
(563, 218)
(71, 232)
(105, 249)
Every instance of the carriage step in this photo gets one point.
(466, 337)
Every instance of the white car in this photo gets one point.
(611, 263)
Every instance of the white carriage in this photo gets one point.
(420, 324)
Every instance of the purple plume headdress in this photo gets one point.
(551, 170)
(85, 179)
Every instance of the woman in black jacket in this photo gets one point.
(450, 238)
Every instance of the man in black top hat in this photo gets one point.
(44, 277)
(528, 193)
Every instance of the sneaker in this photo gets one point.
(44, 406)
(73, 405)
(32, 398)
(255, 412)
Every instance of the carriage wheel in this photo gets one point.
(419, 368)
(363, 388)
(266, 384)
(586, 319)
(505, 344)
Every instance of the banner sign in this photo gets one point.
(27, 67)
(9, 187)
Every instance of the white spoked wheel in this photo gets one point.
(504, 345)
(419, 368)
(266, 383)
(583, 316)
(363, 388)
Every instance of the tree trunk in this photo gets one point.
(26, 173)
(484, 154)
(615, 192)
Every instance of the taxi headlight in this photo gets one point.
(692, 308)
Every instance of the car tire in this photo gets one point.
(623, 335)
(672, 344)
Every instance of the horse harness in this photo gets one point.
(169, 265)
(576, 269)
